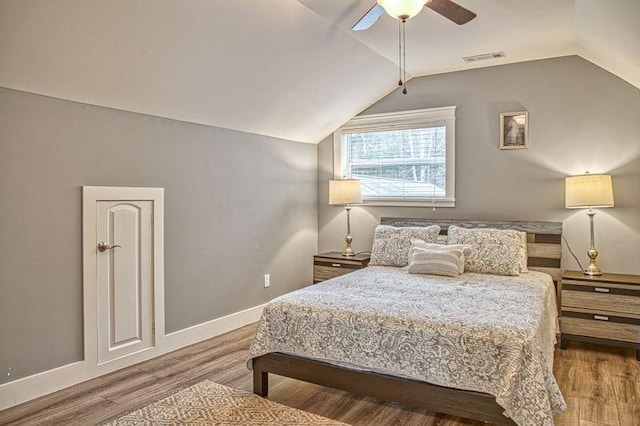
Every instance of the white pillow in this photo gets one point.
(391, 244)
(435, 262)
(417, 243)
(491, 251)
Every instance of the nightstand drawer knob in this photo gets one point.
(601, 318)
(337, 265)
(601, 290)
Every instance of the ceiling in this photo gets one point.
(282, 68)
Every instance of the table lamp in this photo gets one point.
(345, 192)
(589, 191)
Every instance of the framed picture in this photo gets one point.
(514, 130)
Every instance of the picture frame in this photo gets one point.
(514, 130)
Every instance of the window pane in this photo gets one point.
(408, 163)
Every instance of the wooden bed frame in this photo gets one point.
(544, 254)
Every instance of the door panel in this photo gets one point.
(124, 278)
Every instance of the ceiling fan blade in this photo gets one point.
(452, 11)
(369, 18)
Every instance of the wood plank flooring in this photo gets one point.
(601, 386)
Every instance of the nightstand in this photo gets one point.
(333, 264)
(604, 309)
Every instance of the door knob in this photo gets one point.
(102, 246)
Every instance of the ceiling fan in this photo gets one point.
(405, 9)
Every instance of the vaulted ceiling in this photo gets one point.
(283, 68)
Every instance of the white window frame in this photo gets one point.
(401, 121)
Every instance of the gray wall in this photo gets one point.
(237, 206)
(582, 118)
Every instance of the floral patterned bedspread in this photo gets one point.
(480, 332)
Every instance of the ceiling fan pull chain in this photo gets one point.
(400, 51)
(404, 55)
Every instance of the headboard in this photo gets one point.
(544, 238)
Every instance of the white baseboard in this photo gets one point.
(46, 382)
(37, 385)
(206, 330)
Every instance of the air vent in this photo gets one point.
(483, 57)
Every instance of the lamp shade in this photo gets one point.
(344, 191)
(588, 191)
(402, 9)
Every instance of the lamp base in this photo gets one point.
(592, 268)
(348, 251)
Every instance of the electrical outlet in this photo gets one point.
(267, 280)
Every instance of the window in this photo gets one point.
(404, 158)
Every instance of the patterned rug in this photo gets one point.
(208, 403)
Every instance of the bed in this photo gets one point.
(477, 346)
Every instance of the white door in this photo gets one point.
(124, 321)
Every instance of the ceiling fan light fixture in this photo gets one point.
(402, 9)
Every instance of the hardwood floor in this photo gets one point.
(601, 386)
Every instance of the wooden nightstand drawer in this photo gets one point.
(334, 264)
(321, 273)
(600, 296)
(611, 328)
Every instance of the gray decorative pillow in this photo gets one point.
(491, 251)
(435, 262)
(421, 244)
(391, 244)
